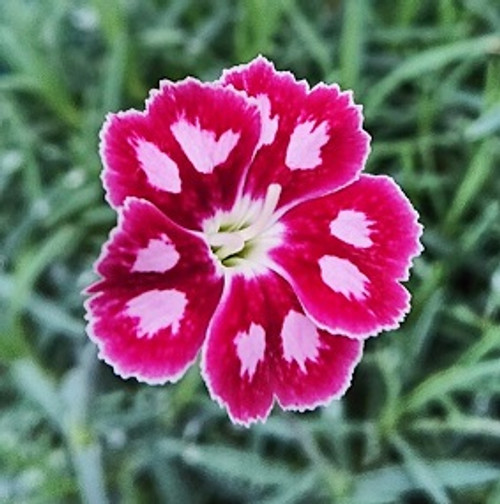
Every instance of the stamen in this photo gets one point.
(230, 242)
(264, 220)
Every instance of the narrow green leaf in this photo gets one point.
(389, 484)
(50, 313)
(38, 387)
(420, 472)
(450, 380)
(310, 37)
(480, 168)
(486, 125)
(351, 42)
(427, 61)
(33, 262)
(230, 464)
(87, 460)
(462, 425)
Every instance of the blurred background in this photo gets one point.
(421, 423)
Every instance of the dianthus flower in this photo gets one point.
(247, 231)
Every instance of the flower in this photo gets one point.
(247, 231)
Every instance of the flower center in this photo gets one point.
(239, 235)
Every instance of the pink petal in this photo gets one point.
(150, 312)
(314, 366)
(187, 153)
(312, 141)
(261, 345)
(234, 354)
(345, 254)
(147, 242)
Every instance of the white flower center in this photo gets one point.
(246, 232)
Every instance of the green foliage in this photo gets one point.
(422, 420)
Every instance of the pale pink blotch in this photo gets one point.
(342, 276)
(352, 227)
(161, 171)
(300, 339)
(201, 147)
(269, 125)
(250, 348)
(304, 148)
(156, 310)
(159, 256)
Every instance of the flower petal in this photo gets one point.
(345, 253)
(150, 312)
(187, 153)
(147, 243)
(262, 345)
(312, 366)
(233, 361)
(312, 139)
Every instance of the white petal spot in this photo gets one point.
(300, 339)
(250, 348)
(161, 171)
(156, 310)
(352, 227)
(269, 126)
(201, 147)
(306, 141)
(343, 276)
(159, 256)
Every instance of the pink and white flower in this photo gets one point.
(247, 231)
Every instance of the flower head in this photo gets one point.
(246, 230)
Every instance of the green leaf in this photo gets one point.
(451, 380)
(230, 464)
(387, 485)
(420, 471)
(428, 61)
(32, 382)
